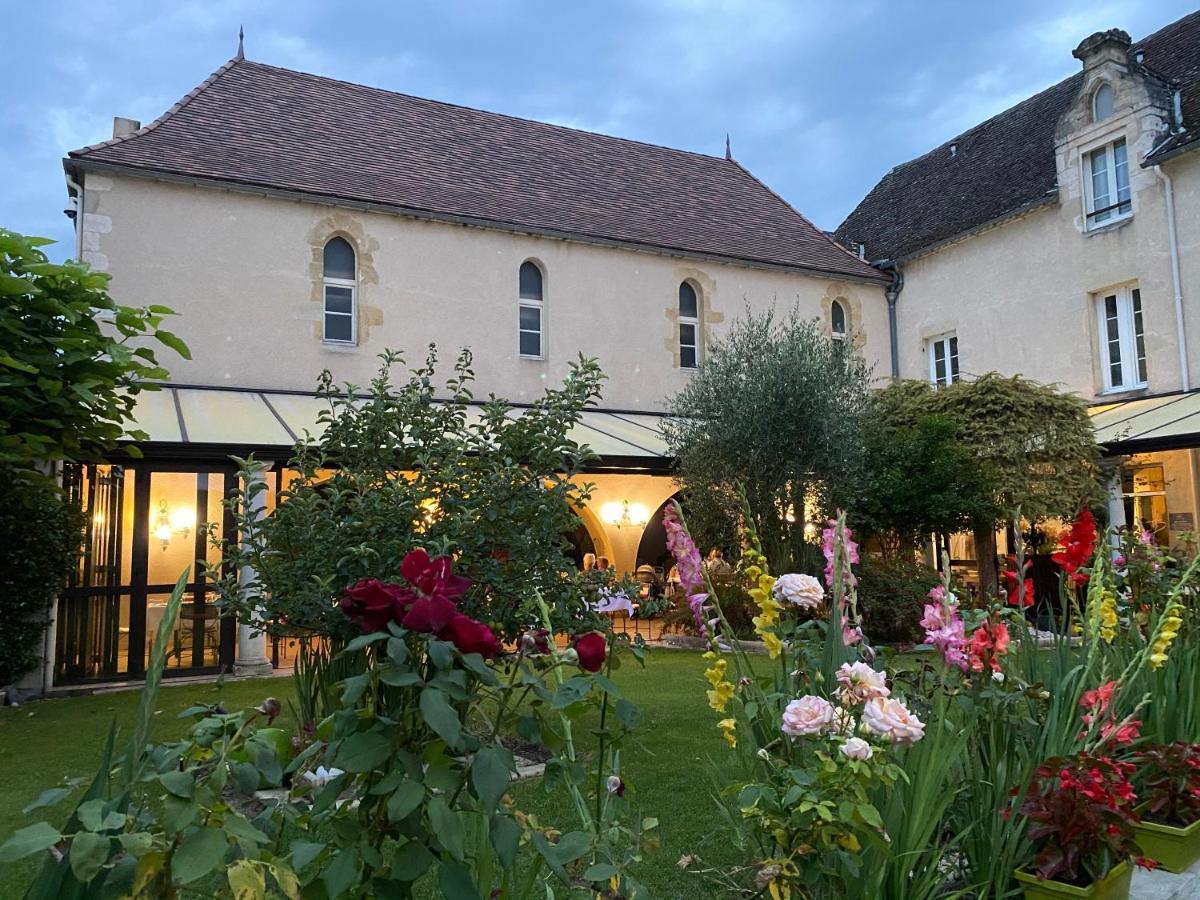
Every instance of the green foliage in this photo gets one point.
(1034, 444)
(891, 595)
(72, 360)
(396, 471)
(776, 408)
(39, 541)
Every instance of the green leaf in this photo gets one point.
(547, 852)
(247, 881)
(363, 751)
(365, 640)
(448, 827)
(411, 861)
(199, 853)
(599, 872)
(46, 798)
(181, 784)
(354, 687)
(399, 678)
(455, 882)
(29, 840)
(304, 852)
(489, 774)
(94, 816)
(239, 827)
(572, 845)
(88, 854)
(404, 800)
(506, 838)
(341, 874)
(571, 691)
(442, 654)
(174, 342)
(628, 714)
(247, 777)
(441, 716)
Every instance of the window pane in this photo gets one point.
(339, 299)
(687, 357)
(1138, 335)
(531, 343)
(1102, 103)
(688, 304)
(1099, 167)
(339, 259)
(939, 361)
(1112, 334)
(954, 359)
(838, 317)
(531, 318)
(338, 327)
(1121, 172)
(687, 334)
(531, 281)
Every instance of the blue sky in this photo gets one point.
(820, 98)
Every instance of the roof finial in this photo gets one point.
(241, 54)
(728, 152)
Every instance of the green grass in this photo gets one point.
(669, 777)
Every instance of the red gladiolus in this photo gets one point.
(433, 577)
(372, 604)
(1078, 543)
(591, 648)
(1013, 584)
(987, 644)
(472, 636)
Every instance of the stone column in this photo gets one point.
(252, 656)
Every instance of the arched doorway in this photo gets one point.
(588, 537)
(652, 549)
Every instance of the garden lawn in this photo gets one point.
(669, 777)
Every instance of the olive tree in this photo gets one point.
(776, 410)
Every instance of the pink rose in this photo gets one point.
(808, 715)
(856, 748)
(858, 682)
(891, 719)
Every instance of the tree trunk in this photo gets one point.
(985, 555)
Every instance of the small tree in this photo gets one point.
(1034, 444)
(396, 470)
(777, 408)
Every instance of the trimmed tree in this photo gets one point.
(777, 409)
(1033, 444)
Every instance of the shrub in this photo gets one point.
(891, 595)
(1170, 774)
(39, 541)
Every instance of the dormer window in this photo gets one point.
(1102, 103)
(1106, 179)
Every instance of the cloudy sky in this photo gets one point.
(820, 98)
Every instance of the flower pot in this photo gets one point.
(1113, 886)
(1174, 849)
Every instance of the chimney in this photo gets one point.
(123, 127)
(1103, 46)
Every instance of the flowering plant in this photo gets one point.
(1170, 778)
(815, 730)
(1080, 810)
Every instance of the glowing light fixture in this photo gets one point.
(169, 524)
(624, 514)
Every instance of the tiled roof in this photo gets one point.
(1006, 164)
(260, 125)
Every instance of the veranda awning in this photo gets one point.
(1165, 422)
(241, 420)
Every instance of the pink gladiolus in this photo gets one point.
(828, 539)
(944, 628)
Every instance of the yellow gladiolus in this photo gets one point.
(773, 644)
(720, 695)
(729, 731)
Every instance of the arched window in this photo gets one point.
(837, 321)
(689, 326)
(1102, 102)
(341, 288)
(530, 308)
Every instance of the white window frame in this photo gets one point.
(1127, 314)
(351, 283)
(948, 342)
(540, 306)
(844, 334)
(694, 321)
(1113, 209)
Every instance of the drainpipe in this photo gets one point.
(1176, 281)
(892, 292)
(77, 187)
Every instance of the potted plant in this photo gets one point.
(1081, 821)
(1169, 832)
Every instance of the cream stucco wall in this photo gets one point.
(1019, 295)
(243, 272)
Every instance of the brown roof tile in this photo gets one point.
(261, 125)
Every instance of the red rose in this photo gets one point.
(372, 604)
(429, 615)
(472, 636)
(592, 648)
(433, 577)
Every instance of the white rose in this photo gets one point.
(803, 591)
(858, 682)
(856, 748)
(997, 676)
(808, 715)
(891, 719)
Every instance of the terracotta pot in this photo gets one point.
(1113, 886)
(1174, 849)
